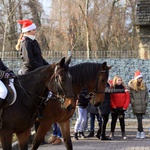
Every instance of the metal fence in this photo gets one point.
(55, 55)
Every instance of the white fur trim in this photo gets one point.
(139, 76)
(29, 28)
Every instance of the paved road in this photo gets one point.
(117, 144)
(94, 144)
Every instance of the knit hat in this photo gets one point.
(137, 74)
(27, 25)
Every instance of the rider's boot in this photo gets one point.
(1, 111)
(1, 103)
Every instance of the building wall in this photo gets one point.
(123, 67)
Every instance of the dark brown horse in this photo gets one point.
(94, 76)
(31, 92)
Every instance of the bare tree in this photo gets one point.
(84, 10)
(8, 26)
(73, 25)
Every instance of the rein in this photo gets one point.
(58, 82)
(56, 96)
(27, 91)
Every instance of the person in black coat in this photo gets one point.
(4, 73)
(105, 111)
(30, 50)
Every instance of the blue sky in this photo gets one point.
(46, 5)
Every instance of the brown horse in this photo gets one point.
(31, 92)
(94, 76)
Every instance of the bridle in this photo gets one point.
(59, 87)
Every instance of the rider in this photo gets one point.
(4, 73)
(31, 54)
(29, 47)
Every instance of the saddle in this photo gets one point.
(10, 98)
(12, 94)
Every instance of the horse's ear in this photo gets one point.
(104, 65)
(68, 60)
(61, 62)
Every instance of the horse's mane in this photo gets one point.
(83, 72)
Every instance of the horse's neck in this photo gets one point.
(32, 89)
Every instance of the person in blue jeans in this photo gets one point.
(94, 114)
(57, 136)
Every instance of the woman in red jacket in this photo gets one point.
(119, 104)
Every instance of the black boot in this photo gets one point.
(124, 136)
(1, 103)
(98, 133)
(91, 134)
(82, 134)
(1, 111)
(76, 136)
(111, 135)
(105, 138)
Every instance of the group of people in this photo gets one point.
(117, 99)
(117, 96)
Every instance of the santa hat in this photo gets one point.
(137, 75)
(27, 25)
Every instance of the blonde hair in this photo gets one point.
(134, 85)
(19, 42)
(115, 81)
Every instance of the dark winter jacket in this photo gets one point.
(84, 98)
(82, 101)
(31, 55)
(3, 68)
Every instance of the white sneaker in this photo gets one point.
(138, 135)
(142, 135)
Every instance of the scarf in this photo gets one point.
(32, 37)
(119, 86)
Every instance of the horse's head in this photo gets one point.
(60, 84)
(99, 91)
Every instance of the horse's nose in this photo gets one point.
(68, 103)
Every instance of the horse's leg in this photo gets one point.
(43, 128)
(65, 129)
(23, 139)
(6, 140)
